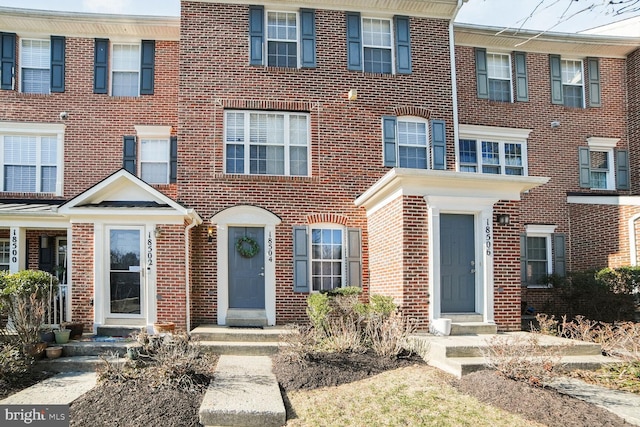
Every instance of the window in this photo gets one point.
(128, 71)
(35, 60)
(375, 45)
(568, 84)
(30, 164)
(602, 167)
(5, 253)
(501, 151)
(412, 144)
(158, 154)
(326, 256)
(572, 83)
(406, 143)
(499, 75)
(154, 161)
(289, 40)
(542, 253)
(267, 143)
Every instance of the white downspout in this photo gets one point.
(454, 84)
(187, 266)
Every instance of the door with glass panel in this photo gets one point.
(126, 282)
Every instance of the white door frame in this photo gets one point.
(246, 216)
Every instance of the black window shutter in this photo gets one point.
(147, 67)
(7, 60)
(403, 45)
(622, 170)
(585, 167)
(354, 42)
(354, 257)
(559, 255)
(300, 260)
(57, 63)
(101, 66)
(129, 154)
(523, 258)
(482, 76)
(594, 82)
(555, 69)
(173, 160)
(389, 140)
(256, 35)
(522, 84)
(308, 38)
(439, 144)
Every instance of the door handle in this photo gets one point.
(473, 270)
(261, 274)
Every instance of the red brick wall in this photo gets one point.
(170, 276)
(506, 267)
(346, 137)
(82, 274)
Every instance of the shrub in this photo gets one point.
(318, 310)
(12, 363)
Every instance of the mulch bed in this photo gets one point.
(14, 384)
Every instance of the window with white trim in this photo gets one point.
(377, 45)
(125, 69)
(35, 63)
(598, 163)
(5, 252)
(31, 157)
(412, 143)
(155, 153)
(327, 257)
(499, 76)
(572, 83)
(267, 143)
(282, 39)
(537, 254)
(493, 150)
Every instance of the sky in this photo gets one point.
(500, 13)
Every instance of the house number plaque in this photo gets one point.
(149, 250)
(14, 246)
(270, 247)
(488, 242)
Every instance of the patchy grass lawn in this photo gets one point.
(623, 376)
(411, 396)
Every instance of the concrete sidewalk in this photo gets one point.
(61, 389)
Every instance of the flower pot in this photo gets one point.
(164, 327)
(77, 329)
(62, 336)
(47, 336)
(133, 351)
(34, 350)
(53, 352)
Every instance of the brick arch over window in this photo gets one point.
(327, 218)
(425, 113)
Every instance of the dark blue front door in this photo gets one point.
(246, 275)
(457, 264)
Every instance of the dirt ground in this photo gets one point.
(136, 403)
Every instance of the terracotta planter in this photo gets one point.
(164, 327)
(53, 352)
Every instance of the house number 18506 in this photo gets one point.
(488, 243)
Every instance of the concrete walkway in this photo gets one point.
(61, 389)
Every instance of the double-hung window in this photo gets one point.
(569, 86)
(267, 143)
(495, 75)
(499, 75)
(409, 142)
(154, 161)
(31, 157)
(282, 39)
(35, 62)
(5, 253)
(157, 158)
(376, 45)
(500, 151)
(602, 166)
(326, 256)
(572, 83)
(542, 253)
(125, 70)
(412, 143)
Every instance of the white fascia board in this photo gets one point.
(605, 200)
(494, 132)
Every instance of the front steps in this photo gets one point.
(246, 318)
(469, 324)
(239, 341)
(463, 354)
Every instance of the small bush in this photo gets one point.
(12, 363)
(318, 310)
(617, 339)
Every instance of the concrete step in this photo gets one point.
(77, 363)
(246, 318)
(244, 392)
(235, 334)
(61, 389)
(94, 348)
(240, 348)
(117, 331)
(463, 317)
(473, 328)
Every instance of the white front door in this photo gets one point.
(126, 282)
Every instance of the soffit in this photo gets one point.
(27, 22)
(567, 44)
(443, 9)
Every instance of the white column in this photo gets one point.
(486, 265)
(17, 249)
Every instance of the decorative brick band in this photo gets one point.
(265, 104)
(328, 218)
(412, 111)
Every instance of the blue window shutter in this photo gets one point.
(308, 38)
(559, 255)
(129, 154)
(354, 42)
(555, 69)
(482, 76)
(7, 60)
(622, 170)
(403, 45)
(256, 35)
(585, 167)
(354, 257)
(101, 66)
(173, 160)
(300, 260)
(147, 67)
(439, 144)
(57, 63)
(389, 140)
(523, 258)
(594, 82)
(522, 84)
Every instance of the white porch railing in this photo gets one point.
(57, 312)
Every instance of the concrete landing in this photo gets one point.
(244, 392)
(61, 389)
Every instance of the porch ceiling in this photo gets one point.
(419, 182)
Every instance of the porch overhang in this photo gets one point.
(431, 183)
